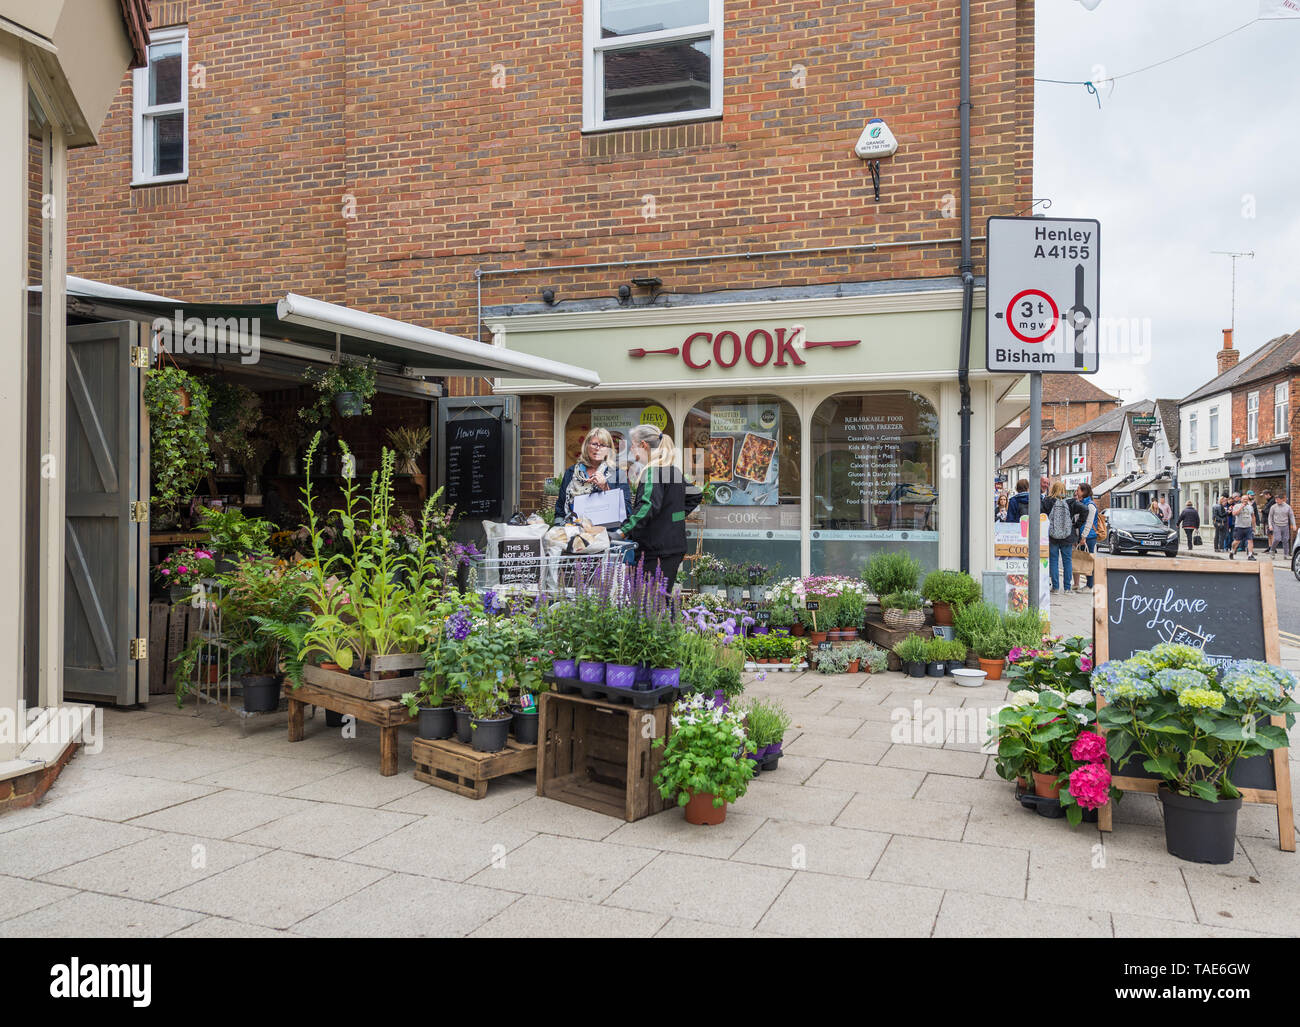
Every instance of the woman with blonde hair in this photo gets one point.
(594, 472)
(661, 502)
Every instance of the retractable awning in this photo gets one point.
(312, 329)
(1139, 484)
(1107, 485)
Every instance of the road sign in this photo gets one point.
(1043, 295)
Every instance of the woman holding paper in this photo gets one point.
(594, 482)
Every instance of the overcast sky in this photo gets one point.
(1170, 166)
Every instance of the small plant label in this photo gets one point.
(825, 646)
(526, 701)
(763, 616)
(812, 604)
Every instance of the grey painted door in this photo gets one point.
(106, 583)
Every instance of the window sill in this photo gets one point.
(145, 183)
(653, 121)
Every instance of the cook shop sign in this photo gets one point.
(758, 347)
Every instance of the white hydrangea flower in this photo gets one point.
(1079, 697)
(1025, 698)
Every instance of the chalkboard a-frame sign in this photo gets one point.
(1229, 611)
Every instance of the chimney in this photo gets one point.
(1228, 356)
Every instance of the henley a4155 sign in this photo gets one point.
(758, 347)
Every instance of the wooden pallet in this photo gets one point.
(598, 755)
(386, 714)
(369, 687)
(462, 769)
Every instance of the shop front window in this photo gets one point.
(617, 416)
(874, 480)
(745, 452)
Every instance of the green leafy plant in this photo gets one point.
(234, 535)
(734, 574)
(233, 422)
(782, 616)
(185, 567)
(870, 657)
(348, 376)
(765, 722)
(1191, 720)
(709, 570)
(975, 621)
(178, 406)
(896, 571)
(912, 649)
(954, 587)
(1024, 629)
(851, 609)
(1065, 666)
(832, 661)
(993, 644)
(701, 755)
(906, 601)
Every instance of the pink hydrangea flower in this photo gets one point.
(164, 571)
(182, 569)
(1089, 747)
(1085, 664)
(1090, 785)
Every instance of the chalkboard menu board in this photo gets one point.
(1227, 611)
(475, 462)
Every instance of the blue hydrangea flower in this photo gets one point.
(1176, 681)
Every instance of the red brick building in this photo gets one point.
(1265, 401)
(445, 164)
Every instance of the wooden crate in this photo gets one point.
(462, 769)
(386, 714)
(598, 756)
(368, 687)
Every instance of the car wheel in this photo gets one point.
(1295, 564)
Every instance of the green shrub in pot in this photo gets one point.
(993, 644)
(956, 588)
(906, 601)
(851, 610)
(782, 616)
(896, 571)
(832, 661)
(912, 649)
(975, 621)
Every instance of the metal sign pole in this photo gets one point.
(1035, 481)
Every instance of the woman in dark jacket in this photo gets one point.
(1189, 520)
(595, 471)
(661, 502)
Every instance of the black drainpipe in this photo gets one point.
(967, 288)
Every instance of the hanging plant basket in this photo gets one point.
(349, 404)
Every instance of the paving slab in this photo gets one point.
(407, 906)
(1120, 886)
(892, 782)
(1142, 843)
(976, 792)
(45, 846)
(277, 889)
(959, 866)
(186, 763)
(679, 927)
(829, 724)
(1129, 925)
(793, 769)
(272, 775)
(669, 832)
(972, 915)
(698, 888)
(836, 747)
(816, 848)
(889, 815)
(504, 793)
(536, 916)
(153, 867)
(89, 915)
(437, 846)
(547, 816)
(1233, 897)
(222, 814)
(120, 803)
(823, 905)
(1012, 825)
(223, 927)
(18, 895)
(565, 868)
(935, 760)
(360, 786)
(26, 817)
(768, 797)
(326, 829)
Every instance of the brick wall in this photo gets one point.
(28, 789)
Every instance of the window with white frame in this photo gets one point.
(1191, 432)
(1281, 408)
(1214, 427)
(1252, 417)
(161, 110)
(649, 62)
(1083, 456)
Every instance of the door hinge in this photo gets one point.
(139, 512)
(139, 356)
(139, 649)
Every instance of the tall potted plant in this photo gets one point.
(1191, 722)
(949, 589)
(703, 767)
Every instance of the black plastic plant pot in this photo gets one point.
(436, 722)
(525, 726)
(490, 735)
(348, 404)
(915, 669)
(261, 693)
(463, 731)
(936, 668)
(333, 719)
(1199, 831)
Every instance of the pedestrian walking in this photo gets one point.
(1165, 512)
(1219, 516)
(1281, 522)
(1189, 520)
(1088, 527)
(1061, 537)
(1243, 526)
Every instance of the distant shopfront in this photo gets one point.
(1203, 483)
(1260, 470)
(818, 426)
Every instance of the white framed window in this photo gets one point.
(1214, 427)
(1191, 432)
(160, 136)
(1252, 417)
(1281, 408)
(1083, 456)
(650, 62)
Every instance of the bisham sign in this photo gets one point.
(757, 347)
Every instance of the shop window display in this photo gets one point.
(874, 480)
(745, 452)
(618, 416)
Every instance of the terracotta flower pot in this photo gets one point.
(797, 629)
(700, 810)
(1045, 786)
(942, 612)
(818, 637)
(853, 667)
(992, 669)
(332, 666)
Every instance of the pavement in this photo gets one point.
(883, 819)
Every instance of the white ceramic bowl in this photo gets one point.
(969, 677)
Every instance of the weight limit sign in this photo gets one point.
(1043, 295)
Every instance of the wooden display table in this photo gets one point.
(460, 768)
(386, 714)
(598, 755)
